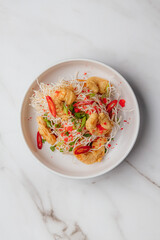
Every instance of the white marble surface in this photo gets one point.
(123, 204)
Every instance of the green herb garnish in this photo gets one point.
(87, 135)
(71, 108)
(61, 150)
(65, 109)
(79, 115)
(43, 140)
(91, 95)
(53, 148)
(70, 150)
(58, 125)
(67, 133)
(72, 143)
(49, 125)
(45, 114)
(105, 150)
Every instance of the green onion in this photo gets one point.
(49, 125)
(79, 115)
(67, 133)
(45, 114)
(105, 150)
(61, 150)
(87, 135)
(65, 109)
(112, 139)
(71, 108)
(92, 94)
(79, 130)
(58, 125)
(52, 148)
(43, 140)
(72, 143)
(82, 124)
(70, 150)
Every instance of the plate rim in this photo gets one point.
(137, 117)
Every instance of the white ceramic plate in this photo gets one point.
(64, 164)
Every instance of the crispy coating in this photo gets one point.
(97, 85)
(95, 155)
(92, 122)
(66, 95)
(63, 95)
(103, 120)
(45, 132)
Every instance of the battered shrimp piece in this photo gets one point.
(95, 122)
(92, 122)
(59, 109)
(63, 95)
(95, 155)
(105, 122)
(97, 85)
(45, 132)
(66, 95)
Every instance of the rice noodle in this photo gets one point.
(39, 103)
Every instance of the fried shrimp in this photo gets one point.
(66, 95)
(96, 155)
(97, 85)
(99, 124)
(44, 131)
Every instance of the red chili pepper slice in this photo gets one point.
(51, 106)
(111, 105)
(100, 127)
(39, 141)
(82, 149)
(83, 103)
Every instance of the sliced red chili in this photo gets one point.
(111, 105)
(76, 110)
(104, 100)
(39, 141)
(83, 103)
(82, 149)
(51, 106)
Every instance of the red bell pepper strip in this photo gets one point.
(51, 106)
(39, 141)
(82, 149)
(111, 105)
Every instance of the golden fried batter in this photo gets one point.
(97, 85)
(99, 119)
(66, 95)
(45, 132)
(95, 155)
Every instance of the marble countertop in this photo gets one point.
(36, 204)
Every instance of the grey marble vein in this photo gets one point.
(143, 175)
(49, 216)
